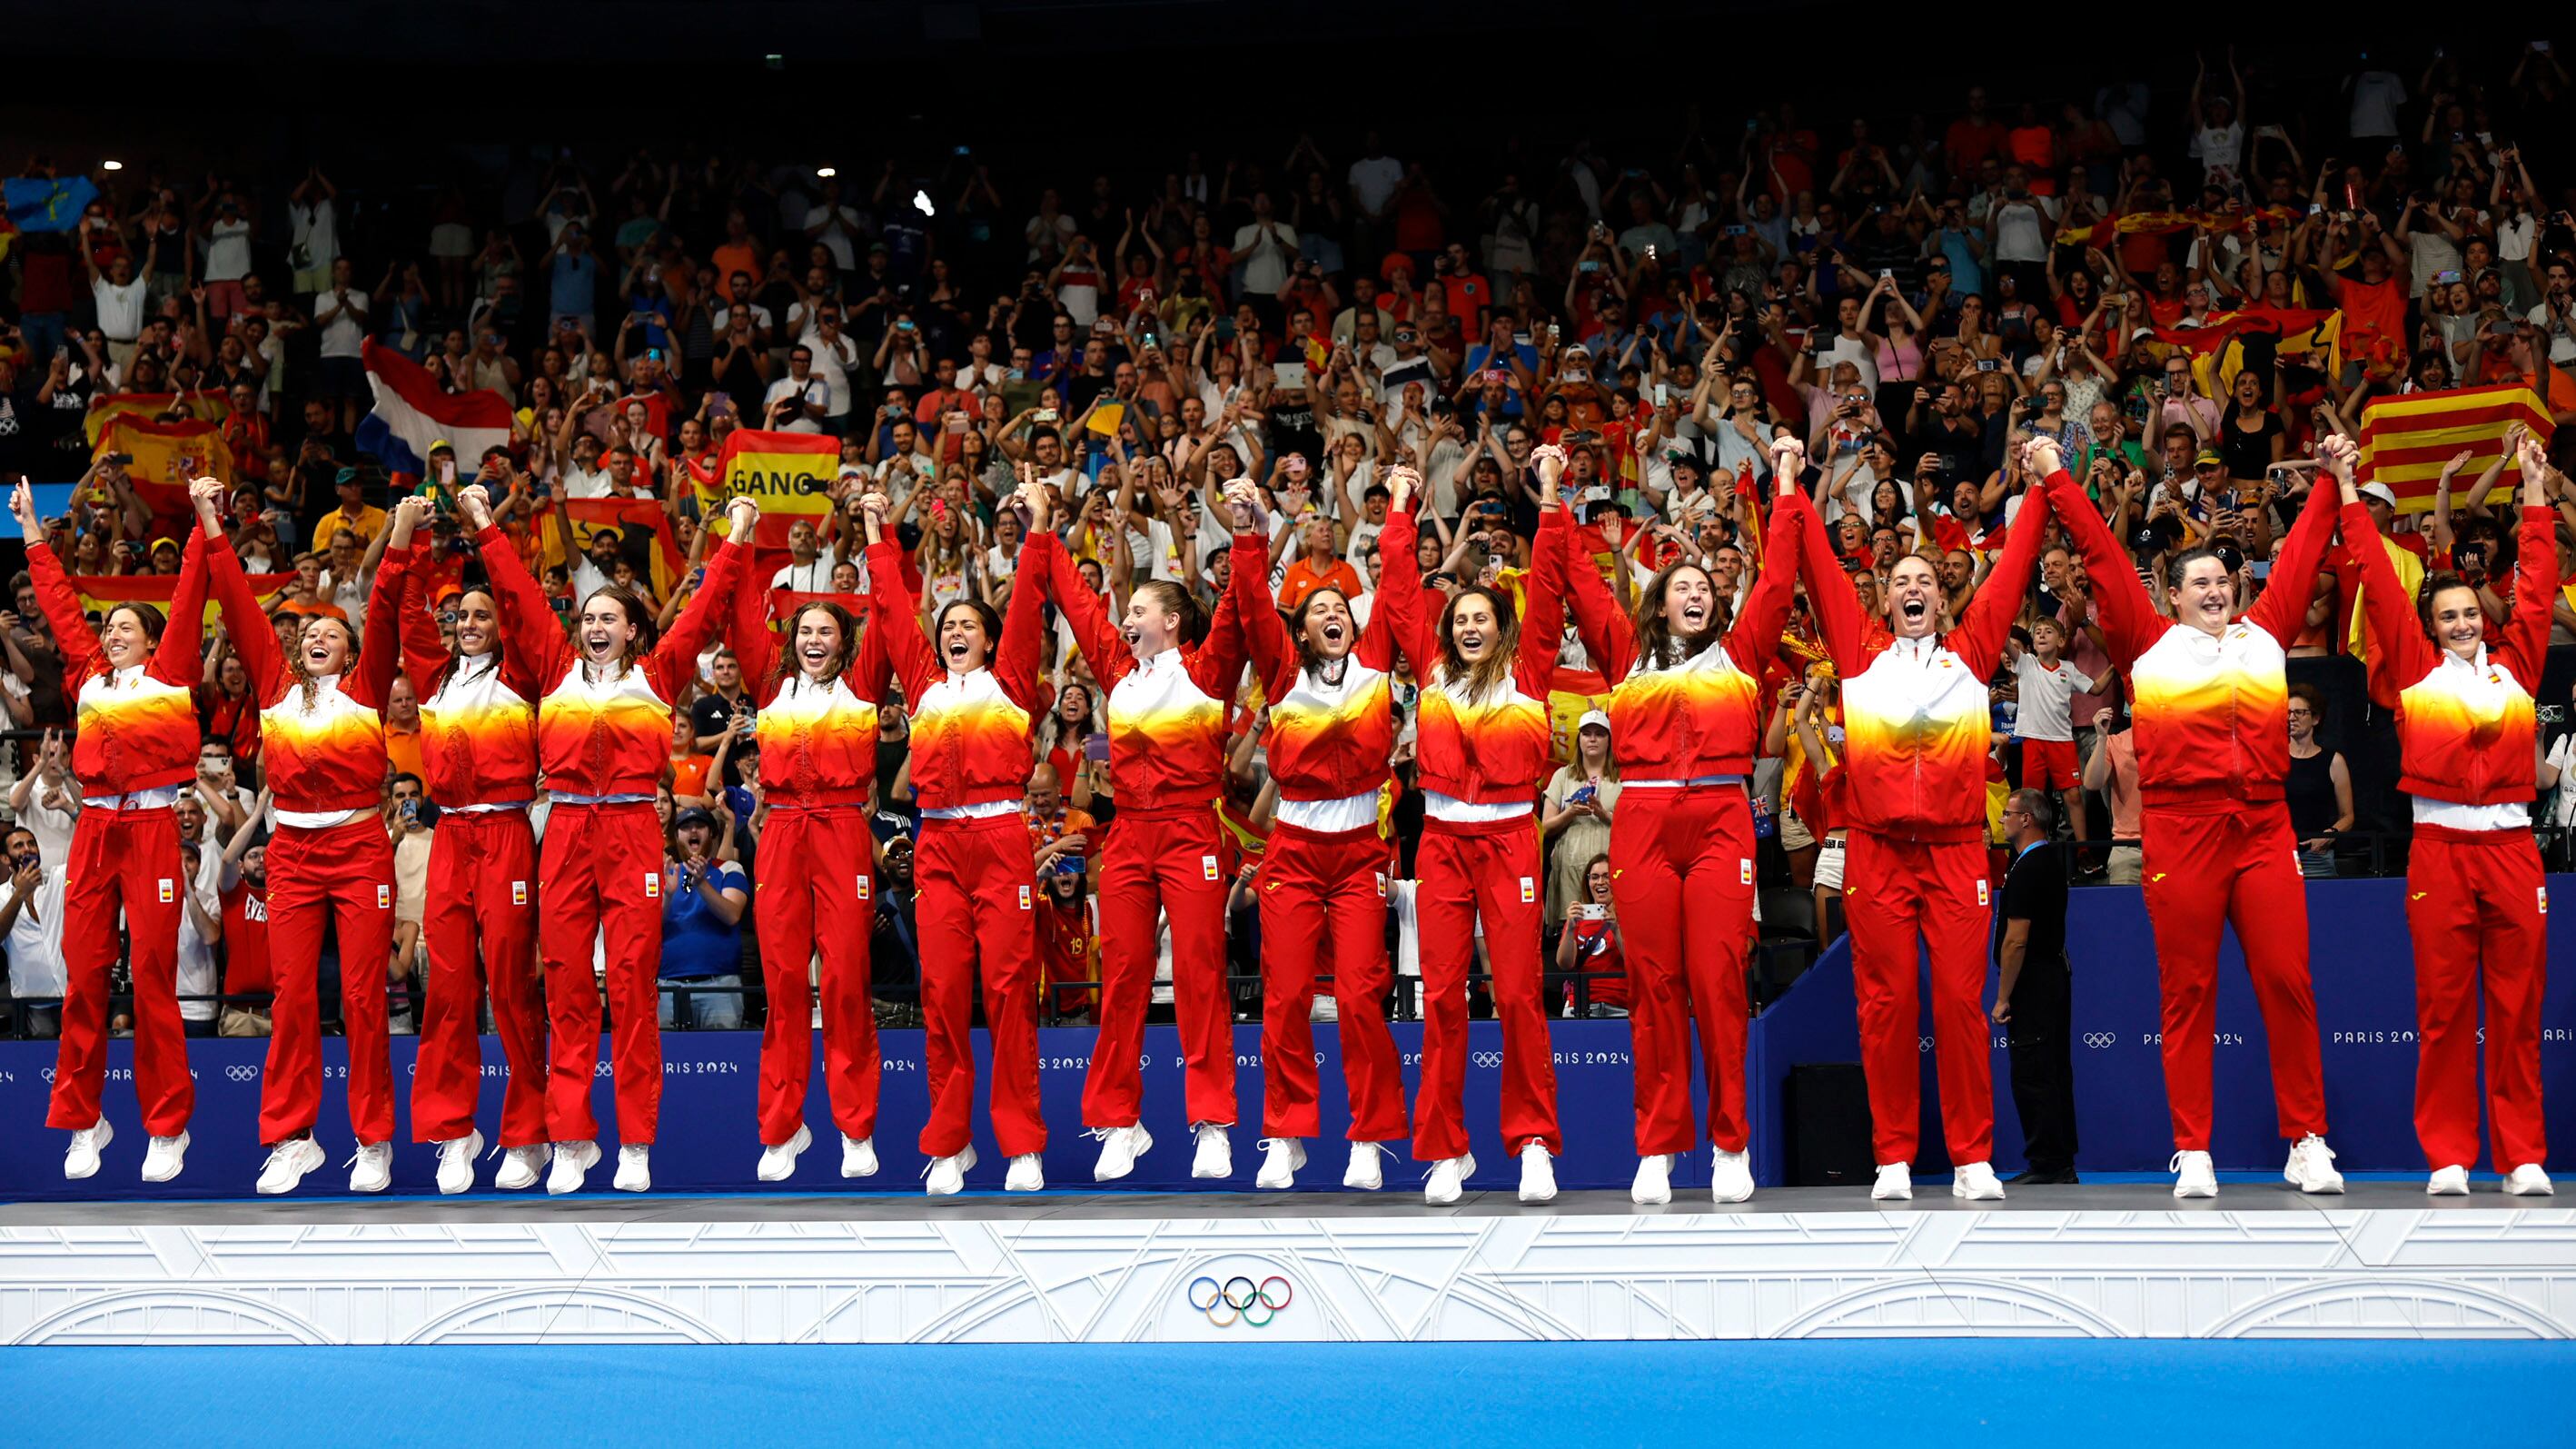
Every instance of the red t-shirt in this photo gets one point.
(246, 940)
(1596, 949)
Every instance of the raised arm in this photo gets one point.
(1020, 655)
(2284, 605)
(2525, 644)
(1756, 635)
(1987, 622)
(1608, 635)
(527, 619)
(1093, 632)
(752, 636)
(2130, 623)
(1542, 632)
(674, 660)
(183, 637)
(424, 653)
(1837, 604)
(1265, 634)
(54, 592)
(893, 610)
(380, 653)
(247, 625)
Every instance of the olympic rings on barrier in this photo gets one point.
(1238, 1298)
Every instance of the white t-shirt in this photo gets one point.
(1265, 260)
(586, 483)
(2562, 346)
(198, 973)
(228, 251)
(2220, 151)
(812, 389)
(317, 231)
(342, 336)
(843, 223)
(811, 578)
(2046, 695)
(2018, 234)
(2376, 95)
(1373, 182)
(36, 938)
(120, 309)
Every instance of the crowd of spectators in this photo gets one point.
(1907, 299)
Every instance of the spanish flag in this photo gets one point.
(102, 592)
(790, 475)
(590, 514)
(2406, 439)
(167, 458)
(149, 406)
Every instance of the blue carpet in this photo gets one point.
(1853, 1391)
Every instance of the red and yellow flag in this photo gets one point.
(167, 458)
(588, 515)
(790, 475)
(147, 406)
(102, 592)
(2406, 439)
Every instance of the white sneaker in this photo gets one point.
(778, 1163)
(81, 1158)
(2311, 1166)
(519, 1166)
(573, 1161)
(1731, 1176)
(1365, 1174)
(2529, 1181)
(287, 1165)
(2193, 1175)
(1654, 1181)
(1975, 1181)
(2448, 1182)
(1119, 1149)
(1215, 1155)
(1282, 1156)
(1027, 1173)
(634, 1168)
(1447, 1178)
(456, 1163)
(163, 1158)
(858, 1156)
(1538, 1174)
(372, 1169)
(947, 1175)
(1895, 1183)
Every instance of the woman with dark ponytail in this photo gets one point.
(329, 863)
(1322, 889)
(817, 726)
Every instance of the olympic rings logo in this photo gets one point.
(240, 1073)
(2098, 1040)
(1238, 1298)
(1486, 1059)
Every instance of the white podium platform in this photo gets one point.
(2093, 1261)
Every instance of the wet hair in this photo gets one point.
(637, 613)
(2436, 585)
(2180, 564)
(1480, 678)
(981, 610)
(787, 668)
(1177, 600)
(305, 682)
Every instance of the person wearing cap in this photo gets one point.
(1686, 720)
(1582, 799)
(603, 734)
(330, 865)
(1323, 878)
(1917, 721)
(165, 555)
(703, 900)
(2476, 901)
(812, 695)
(355, 513)
(476, 745)
(2210, 700)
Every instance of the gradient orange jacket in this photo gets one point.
(322, 738)
(478, 716)
(609, 735)
(136, 728)
(1692, 718)
(818, 739)
(2211, 711)
(1330, 737)
(970, 730)
(1491, 748)
(1918, 719)
(2467, 729)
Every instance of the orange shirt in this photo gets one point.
(402, 747)
(1304, 578)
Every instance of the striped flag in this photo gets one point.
(789, 474)
(2405, 440)
(102, 592)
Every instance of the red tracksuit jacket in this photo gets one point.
(1329, 741)
(2466, 728)
(1493, 748)
(818, 742)
(478, 716)
(1917, 717)
(323, 740)
(2211, 714)
(970, 731)
(133, 729)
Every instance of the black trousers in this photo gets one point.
(2043, 1064)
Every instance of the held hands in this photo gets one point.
(742, 515)
(1788, 460)
(2340, 454)
(2537, 476)
(2039, 457)
(1549, 460)
(475, 502)
(1243, 502)
(207, 494)
(1402, 482)
(872, 511)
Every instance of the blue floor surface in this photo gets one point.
(1872, 1392)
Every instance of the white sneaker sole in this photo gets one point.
(1103, 1170)
(178, 1162)
(794, 1148)
(2195, 1189)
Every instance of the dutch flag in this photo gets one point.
(411, 413)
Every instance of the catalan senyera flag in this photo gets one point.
(789, 475)
(102, 592)
(145, 406)
(2406, 439)
(589, 514)
(167, 458)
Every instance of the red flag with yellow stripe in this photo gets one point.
(2406, 439)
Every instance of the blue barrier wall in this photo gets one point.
(2365, 1005)
(2360, 964)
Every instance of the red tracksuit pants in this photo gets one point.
(600, 876)
(342, 874)
(1168, 862)
(125, 859)
(817, 894)
(1894, 892)
(975, 885)
(2233, 866)
(1464, 872)
(481, 924)
(1323, 903)
(1681, 876)
(2476, 899)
